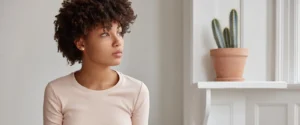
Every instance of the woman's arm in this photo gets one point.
(140, 114)
(52, 108)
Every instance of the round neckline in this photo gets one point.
(83, 88)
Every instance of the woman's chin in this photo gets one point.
(116, 62)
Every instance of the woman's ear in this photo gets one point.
(79, 44)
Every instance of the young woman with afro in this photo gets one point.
(90, 32)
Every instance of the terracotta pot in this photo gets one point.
(229, 63)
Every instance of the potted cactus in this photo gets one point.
(229, 58)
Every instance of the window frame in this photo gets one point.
(287, 44)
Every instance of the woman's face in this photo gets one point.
(103, 47)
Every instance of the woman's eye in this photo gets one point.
(120, 33)
(104, 34)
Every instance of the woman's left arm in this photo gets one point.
(140, 114)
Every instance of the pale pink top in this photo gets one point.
(66, 102)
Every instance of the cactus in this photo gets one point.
(233, 28)
(229, 38)
(217, 33)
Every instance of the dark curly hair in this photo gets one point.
(76, 18)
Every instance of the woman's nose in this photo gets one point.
(116, 41)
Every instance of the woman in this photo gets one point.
(90, 32)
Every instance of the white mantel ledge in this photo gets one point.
(247, 85)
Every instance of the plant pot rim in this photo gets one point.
(229, 49)
(229, 52)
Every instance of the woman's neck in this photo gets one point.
(96, 77)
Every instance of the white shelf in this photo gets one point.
(243, 85)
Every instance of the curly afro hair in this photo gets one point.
(76, 18)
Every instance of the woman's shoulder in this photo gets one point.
(60, 82)
(133, 82)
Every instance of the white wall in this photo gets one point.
(29, 58)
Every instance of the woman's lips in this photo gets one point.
(117, 54)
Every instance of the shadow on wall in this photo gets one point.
(270, 40)
(196, 106)
(171, 61)
(206, 59)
